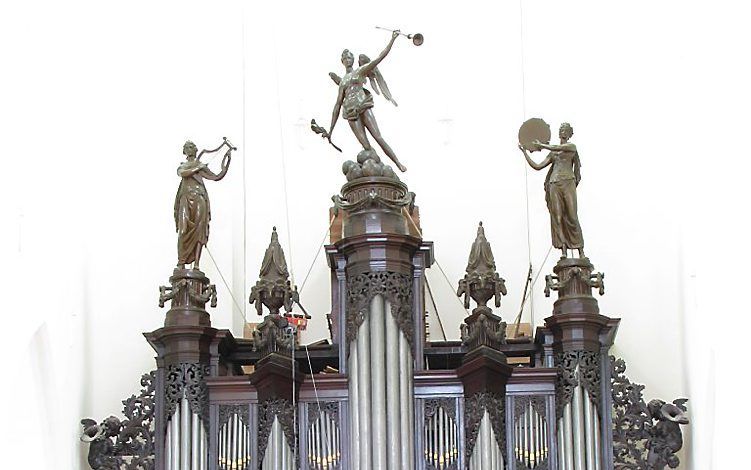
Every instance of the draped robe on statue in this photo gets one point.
(192, 213)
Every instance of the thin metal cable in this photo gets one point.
(526, 168)
(245, 178)
(531, 286)
(284, 164)
(294, 399)
(225, 283)
(435, 307)
(323, 242)
(435, 261)
(315, 391)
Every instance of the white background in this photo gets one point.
(96, 100)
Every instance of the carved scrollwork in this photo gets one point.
(521, 404)
(577, 368)
(474, 410)
(226, 411)
(645, 436)
(375, 199)
(187, 379)
(446, 404)
(282, 410)
(396, 287)
(126, 444)
(330, 408)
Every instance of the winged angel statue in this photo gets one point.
(357, 102)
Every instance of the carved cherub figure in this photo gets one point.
(666, 437)
(103, 450)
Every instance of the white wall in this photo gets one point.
(97, 100)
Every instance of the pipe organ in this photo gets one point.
(379, 395)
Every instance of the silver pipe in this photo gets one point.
(276, 459)
(363, 388)
(175, 425)
(406, 352)
(568, 436)
(378, 382)
(561, 446)
(441, 435)
(589, 432)
(309, 445)
(578, 428)
(168, 448)
(493, 448)
(392, 390)
(596, 429)
(281, 450)
(354, 427)
(483, 441)
(194, 442)
(233, 442)
(532, 435)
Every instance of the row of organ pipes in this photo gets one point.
(578, 434)
(186, 440)
(279, 455)
(487, 454)
(530, 438)
(381, 394)
(324, 442)
(441, 441)
(234, 444)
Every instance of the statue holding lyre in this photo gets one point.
(192, 208)
(560, 183)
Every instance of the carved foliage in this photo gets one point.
(447, 404)
(187, 379)
(397, 288)
(282, 410)
(645, 436)
(127, 444)
(227, 411)
(577, 368)
(482, 330)
(330, 408)
(273, 336)
(475, 407)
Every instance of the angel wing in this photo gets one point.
(336, 78)
(377, 81)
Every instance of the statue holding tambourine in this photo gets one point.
(560, 183)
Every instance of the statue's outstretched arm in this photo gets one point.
(567, 147)
(366, 69)
(532, 163)
(337, 109)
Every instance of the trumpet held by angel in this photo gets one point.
(355, 102)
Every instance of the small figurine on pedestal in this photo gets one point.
(189, 288)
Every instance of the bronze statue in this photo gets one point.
(357, 102)
(560, 182)
(192, 208)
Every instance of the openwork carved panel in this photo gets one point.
(577, 368)
(645, 436)
(441, 434)
(397, 288)
(530, 433)
(233, 440)
(284, 411)
(323, 436)
(187, 379)
(474, 409)
(126, 444)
